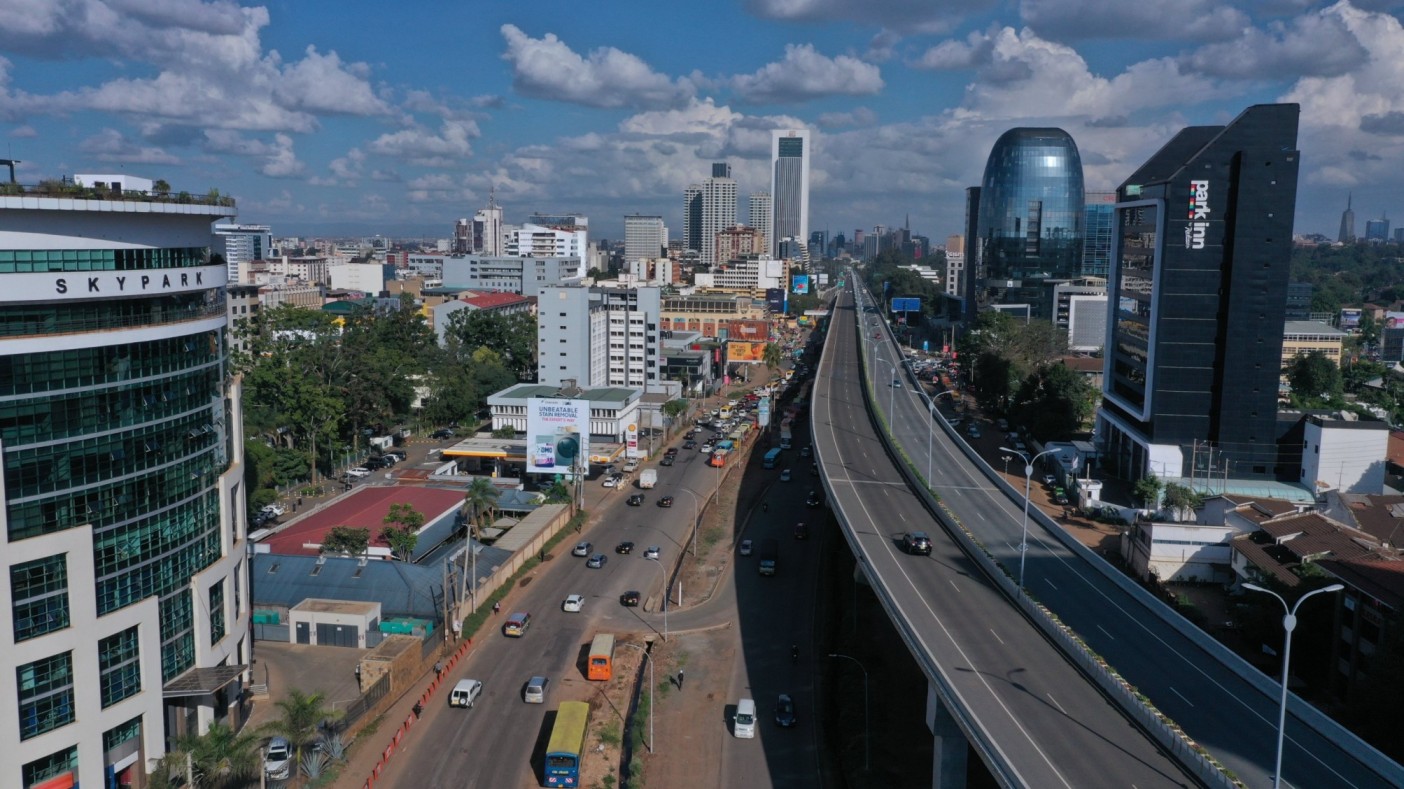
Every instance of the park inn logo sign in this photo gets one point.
(1198, 224)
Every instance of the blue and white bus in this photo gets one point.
(772, 457)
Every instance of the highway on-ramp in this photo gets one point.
(1040, 721)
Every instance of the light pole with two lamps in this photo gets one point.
(931, 428)
(867, 731)
(696, 514)
(1028, 490)
(664, 571)
(1289, 623)
(892, 393)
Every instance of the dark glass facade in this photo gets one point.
(1197, 296)
(1030, 219)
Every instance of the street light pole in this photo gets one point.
(931, 431)
(1028, 491)
(664, 572)
(1289, 623)
(696, 514)
(867, 730)
(651, 687)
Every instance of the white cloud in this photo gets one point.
(806, 74)
(1191, 20)
(1317, 44)
(323, 84)
(420, 146)
(916, 16)
(274, 159)
(109, 145)
(862, 116)
(546, 68)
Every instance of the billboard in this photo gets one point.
(1394, 320)
(799, 284)
(747, 352)
(558, 435)
(631, 441)
(904, 304)
(752, 330)
(823, 280)
(1350, 319)
(775, 299)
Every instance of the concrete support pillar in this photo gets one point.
(951, 751)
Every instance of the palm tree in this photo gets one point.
(302, 717)
(773, 355)
(480, 498)
(219, 758)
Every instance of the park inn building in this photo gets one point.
(124, 615)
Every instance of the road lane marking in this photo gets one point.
(1056, 704)
(996, 636)
(1181, 695)
(1105, 633)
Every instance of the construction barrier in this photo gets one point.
(411, 719)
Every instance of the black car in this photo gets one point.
(635, 500)
(629, 598)
(785, 711)
(377, 463)
(689, 444)
(443, 432)
(813, 500)
(801, 531)
(666, 501)
(671, 451)
(916, 542)
(667, 460)
(624, 547)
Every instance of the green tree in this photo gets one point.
(1314, 378)
(301, 718)
(346, 539)
(506, 431)
(1054, 402)
(1147, 489)
(512, 337)
(401, 530)
(773, 355)
(480, 500)
(221, 758)
(674, 408)
(1182, 500)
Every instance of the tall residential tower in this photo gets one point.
(789, 187)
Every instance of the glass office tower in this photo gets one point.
(1030, 220)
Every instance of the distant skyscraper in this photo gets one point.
(692, 218)
(644, 237)
(969, 303)
(1031, 210)
(1347, 234)
(789, 185)
(761, 217)
(718, 209)
(241, 245)
(487, 229)
(1098, 226)
(1203, 256)
(1377, 230)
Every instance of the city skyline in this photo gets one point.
(319, 123)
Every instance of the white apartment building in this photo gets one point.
(762, 213)
(524, 275)
(125, 620)
(242, 245)
(752, 274)
(644, 237)
(599, 337)
(542, 241)
(718, 200)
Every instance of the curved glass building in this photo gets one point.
(124, 616)
(1029, 220)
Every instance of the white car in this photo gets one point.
(573, 604)
(276, 509)
(785, 475)
(651, 552)
(612, 481)
(277, 760)
(631, 466)
(745, 548)
(581, 549)
(358, 472)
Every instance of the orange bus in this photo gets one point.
(601, 666)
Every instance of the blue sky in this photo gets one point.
(363, 117)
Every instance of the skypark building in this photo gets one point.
(1196, 299)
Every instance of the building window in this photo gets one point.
(216, 612)
(51, 766)
(39, 590)
(121, 733)
(45, 694)
(119, 660)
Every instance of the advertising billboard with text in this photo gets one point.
(748, 352)
(558, 435)
(799, 284)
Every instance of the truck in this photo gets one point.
(786, 436)
(648, 478)
(769, 557)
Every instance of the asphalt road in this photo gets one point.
(1232, 718)
(1047, 723)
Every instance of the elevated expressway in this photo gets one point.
(1039, 708)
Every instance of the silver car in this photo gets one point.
(277, 760)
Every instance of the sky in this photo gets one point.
(396, 118)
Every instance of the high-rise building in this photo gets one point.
(762, 214)
(789, 186)
(125, 615)
(1299, 295)
(487, 229)
(241, 245)
(968, 286)
(1377, 230)
(1030, 220)
(644, 237)
(1097, 226)
(1347, 233)
(692, 218)
(718, 209)
(599, 337)
(534, 240)
(1203, 252)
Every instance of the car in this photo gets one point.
(358, 472)
(672, 451)
(629, 598)
(275, 509)
(651, 552)
(581, 549)
(534, 691)
(666, 501)
(398, 455)
(597, 561)
(465, 693)
(916, 543)
(667, 460)
(613, 480)
(277, 759)
(377, 463)
(625, 547)
(801, 531)
(573, 604)
(812, 500)
(746, 547)
(631, 466)
(442, 433)
(1002, 424)
(1050, 480)
(784, 711)
(896, 384)
(689, 435)
(635, 500)
(973, 431)
(707, 448)
(1060, 496)
(804, 451)
(785, 475)
(954, 421)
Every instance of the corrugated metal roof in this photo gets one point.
(402, 589)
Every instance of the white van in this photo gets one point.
(744, 724)
(465, 693)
